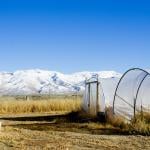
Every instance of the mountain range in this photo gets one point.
(33, 82)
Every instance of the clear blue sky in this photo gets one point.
(74, 35)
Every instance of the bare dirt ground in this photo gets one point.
(54, 134)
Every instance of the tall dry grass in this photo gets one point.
(138, 125)
(116, 121)
(39, 106)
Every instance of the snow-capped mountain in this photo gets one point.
(30, 82)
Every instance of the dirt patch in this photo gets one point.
(56, 132)
(33, 139)
(89, 128)
(65, 135)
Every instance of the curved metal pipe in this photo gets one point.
(147, 73)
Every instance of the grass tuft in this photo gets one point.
(139, 125)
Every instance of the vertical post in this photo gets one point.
(97, 106)
(141, 112)
(89, 96)
(134, 107)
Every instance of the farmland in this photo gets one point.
(59, 128)
(39, 104)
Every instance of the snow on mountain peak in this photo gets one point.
(29, 82)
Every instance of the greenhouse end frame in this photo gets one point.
(137, 92)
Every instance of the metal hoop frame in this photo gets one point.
(132, 69)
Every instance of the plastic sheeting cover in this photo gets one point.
(133, 93)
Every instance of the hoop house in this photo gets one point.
(132, 93)
(94, 101)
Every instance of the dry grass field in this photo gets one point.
(41, 123)
(19, 105)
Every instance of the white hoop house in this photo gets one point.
(132, 94)
(94, 101)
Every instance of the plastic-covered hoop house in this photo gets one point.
(132, 95)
